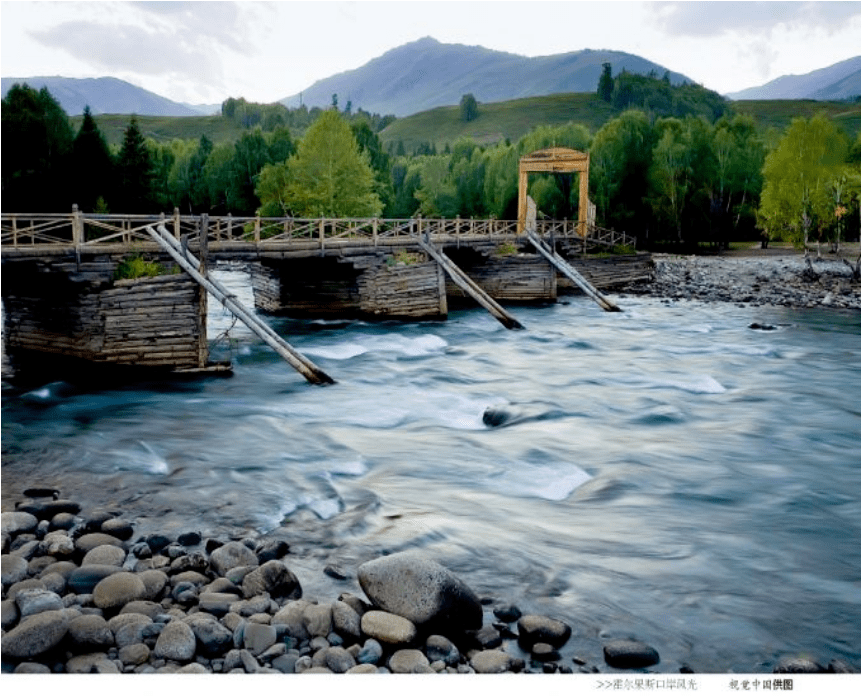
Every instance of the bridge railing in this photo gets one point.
(130, 231)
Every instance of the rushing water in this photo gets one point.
(665, 473)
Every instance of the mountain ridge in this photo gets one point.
(426, 74)
(832, 83)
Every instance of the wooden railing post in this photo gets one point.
(176, 223)
(375, 231)
(321, 234)
(257, 229)
(77, 226)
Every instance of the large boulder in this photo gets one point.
(36, 635)
(231, 555)
(420, 590)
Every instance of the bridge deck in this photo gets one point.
(25, 234)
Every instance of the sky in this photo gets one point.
(204, 52)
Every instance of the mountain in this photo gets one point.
(104, 95)
(425, 74)
(838, 81)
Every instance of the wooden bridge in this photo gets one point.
(61, 296)
(25, 234)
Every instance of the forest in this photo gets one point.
(675, 166)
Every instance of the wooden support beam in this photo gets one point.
(300, 363)
(470, 287)
(560, 264)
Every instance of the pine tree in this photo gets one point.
(93, 165)
(134, 173)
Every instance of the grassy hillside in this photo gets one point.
(778, 113)
(513, 119)
(166, 128)
(496, 121)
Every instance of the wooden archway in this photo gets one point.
(555, 159)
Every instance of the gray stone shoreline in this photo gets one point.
(784, 280)
(82, 593)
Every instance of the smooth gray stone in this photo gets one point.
(420, 590)
(442, 648)
(339, 660)
(18, 522)
(490, 662)
(91, 631)
(535, 628)
(629, 654)
(258, 637)
(388, 628)
(176, 642)
(408, 661)
(117, 590)
(95, 663)
(230, 556)
(36, 635)
(14, 569)
(106, 554)
(274, 578)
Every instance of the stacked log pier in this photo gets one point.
(372, 285)
(513, 278)
(153, 322)
(609, 271)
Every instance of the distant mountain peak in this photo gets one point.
(835, 82)
(425, 74)
(104, 95)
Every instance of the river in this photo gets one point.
(666, 473)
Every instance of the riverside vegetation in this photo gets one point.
(670, 164)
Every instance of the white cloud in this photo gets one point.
(264, 51)
(753, 18)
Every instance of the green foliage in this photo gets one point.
(806, 182)
(134, 173)
(468, 108)
(405, 258)
(136, 266)
(94, 165)
(506, 249)
(329, 176)
(606, 83)
(37, 143)
(660, 98)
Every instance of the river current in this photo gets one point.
(666, 473)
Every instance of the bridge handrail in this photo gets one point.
(95, 229)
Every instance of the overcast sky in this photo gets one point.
(204, 52)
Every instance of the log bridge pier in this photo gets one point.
(62, 296)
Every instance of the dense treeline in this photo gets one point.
(680, 168)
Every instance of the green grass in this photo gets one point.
(496, 122)
(513, 119)
(778, 113)
(166, 128)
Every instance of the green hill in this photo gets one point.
(497, 121)
(513, 119)
(166, 128)
(778, 113)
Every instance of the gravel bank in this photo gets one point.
(785, 280)
(82, 593)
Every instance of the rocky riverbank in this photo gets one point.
(83, 594)
(786, 280)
